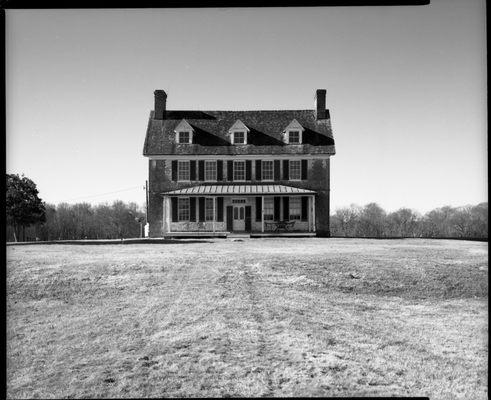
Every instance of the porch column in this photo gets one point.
(313, 212)
(262, 214)
(309, 213)
(214, 212)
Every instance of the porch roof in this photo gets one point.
(242, 190)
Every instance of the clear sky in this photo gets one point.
(406, 87)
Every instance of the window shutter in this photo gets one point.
(201, 170)
(277, 175)
(248, 170)
(219, 209)
(174, 170)
(230, 170)
(192, 170)
(173, 203)
(304, 170)
(286, 170)
(286, 208)
(192, 209)
(259, 209)
(277, 201)
(219, 170)
(201, 209)
(258, 170)
(305, 208)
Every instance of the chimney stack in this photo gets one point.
(320, 104)
(160, 104)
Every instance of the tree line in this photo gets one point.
(467, 222)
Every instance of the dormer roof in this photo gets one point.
(238, 126)
(184, 126)
(294, 125)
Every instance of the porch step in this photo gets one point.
(283, 234)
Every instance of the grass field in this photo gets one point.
(274, 317)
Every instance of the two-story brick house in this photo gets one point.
(212, 172)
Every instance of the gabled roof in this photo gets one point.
(294, 125)
(238, 126)
(183, 126)
(212, 131)
(233, 190)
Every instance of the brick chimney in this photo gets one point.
(320, 104)
(160, 104)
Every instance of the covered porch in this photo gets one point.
(218, 210)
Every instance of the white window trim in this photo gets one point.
(179, 137)
(189, 210)
(289, 171)
(262, 171)
(189, 169)
(216, 171)
(300, 136)
(233, 137)
(299, 209)
(233, 172)
(207, 199)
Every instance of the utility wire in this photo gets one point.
(103, 194)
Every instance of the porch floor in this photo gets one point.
(196, 234)
(282, 234)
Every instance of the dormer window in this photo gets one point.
(294, 137)
(184, 137)
(293, 133)
(238, 133)
(184, 132)
(239, 137)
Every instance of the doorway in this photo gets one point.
(238, 218)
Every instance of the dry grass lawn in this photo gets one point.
(274, 317)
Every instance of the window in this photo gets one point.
(295, 170)
(184, 137)
(208, 209)
(183, 171)
(294, 137)
(268, 208)
(210, 170)
(267, 171)
(183, 209)
(239, 137)
(295, 207)
(239, 170)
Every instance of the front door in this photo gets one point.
(239, 218)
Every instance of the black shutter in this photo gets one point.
(219, 216)
(258, 170)
(192, 170)
(201, 170)
(192, 209)
(174, 170)
(277, 201)
(259, 209)
(173, 202)
(248, 170)
(304, 170)
(219, 170)
(248, 224)
(286, 170)
(201, 207)
(305, 208)
(277, 175)
(230, 221)
(230, 170)
(286, 208)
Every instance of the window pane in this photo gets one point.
(267, 170)
(241, 212)
(268, 208)
(295, 170)
(236, 213)
(183, 209)
(210, 170)
(183, 171)
(239, 138)
(208, 209)
(239, 170)
(183, 137)
(295, 207)
(294, 137)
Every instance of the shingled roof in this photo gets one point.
(211, 133)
